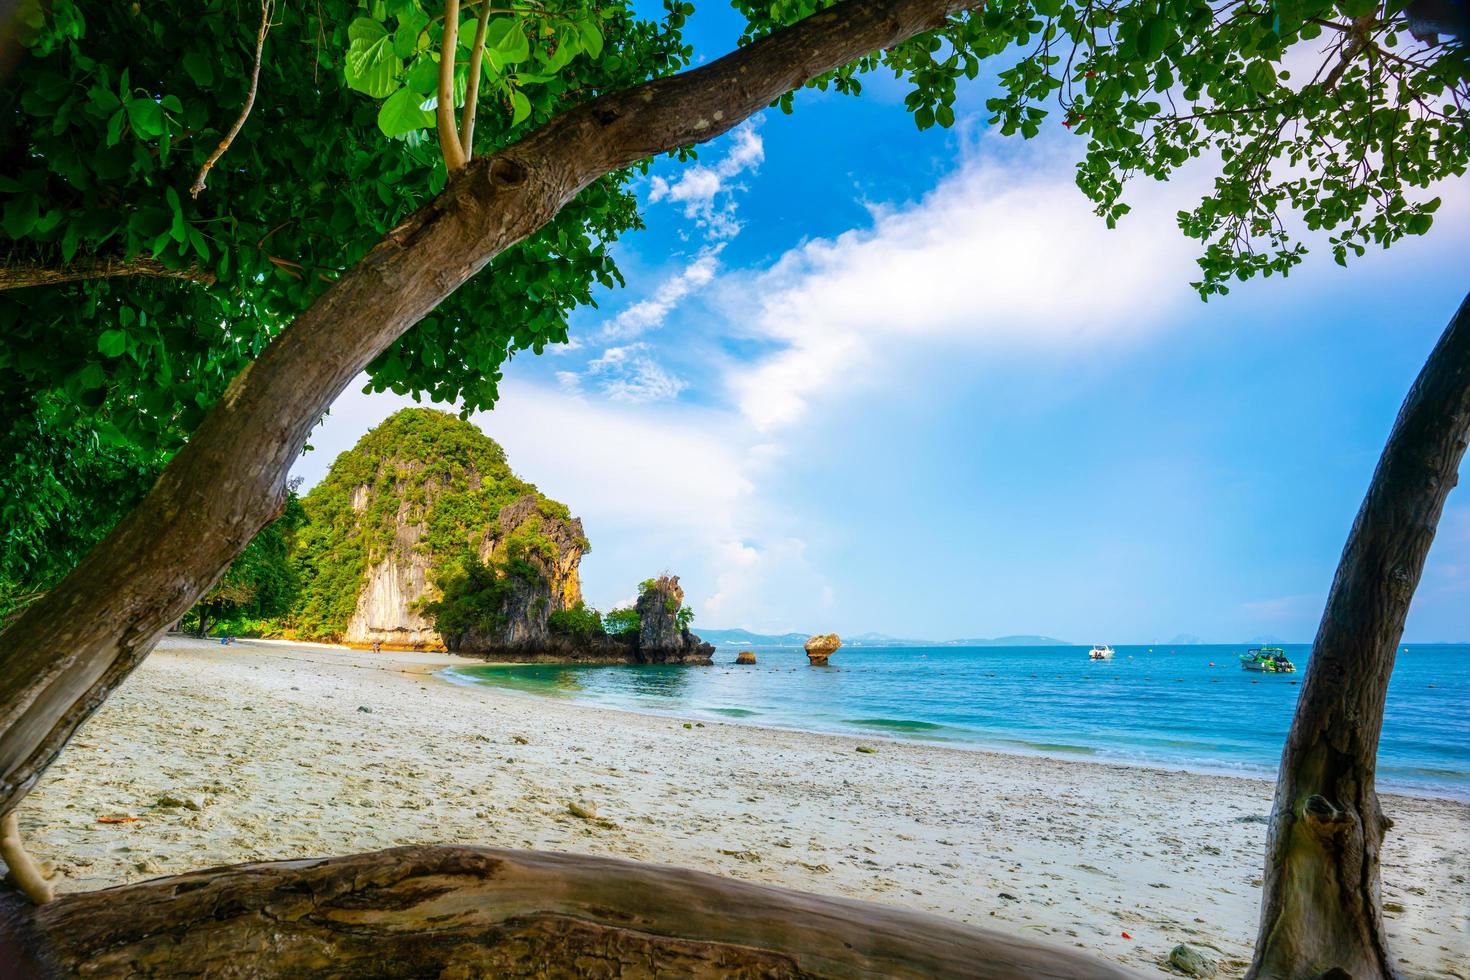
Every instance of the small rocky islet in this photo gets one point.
(421, 537)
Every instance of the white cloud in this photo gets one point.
(706, 192)
(1000, 255)
(630, 374)
(664, 486)
(649, 314)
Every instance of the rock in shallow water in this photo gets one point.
(819, 649)
(745, 657)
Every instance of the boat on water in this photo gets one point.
(1267, 660)
(1100, 651)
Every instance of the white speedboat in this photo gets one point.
(1100, 652)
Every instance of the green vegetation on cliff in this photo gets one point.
(419, 468)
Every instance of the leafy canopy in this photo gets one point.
(119, 107)
(1319, 115)
(1332, 116)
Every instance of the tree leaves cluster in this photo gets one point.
(395, 50)
(120, 107)
(1334, 111)
(260, 584)
(1320, 116)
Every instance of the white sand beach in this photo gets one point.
(214, 755)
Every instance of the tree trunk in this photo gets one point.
(18, 275)
(61, 658)
(479, 912)
(1320, 912)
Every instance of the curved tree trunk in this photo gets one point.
(479, 912)
(63, 656)
(1320, 912)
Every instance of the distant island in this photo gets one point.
(742, 637)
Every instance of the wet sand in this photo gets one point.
(214, 755)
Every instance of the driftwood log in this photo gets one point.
(461, 912)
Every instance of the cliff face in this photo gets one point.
(552, 584)
(418, 498)
(662, 639)
(421, 537)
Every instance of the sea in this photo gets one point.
(1182, 707)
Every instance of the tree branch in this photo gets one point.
(472, 91)
(19, 275)
(454, 155)
(266, 6)
(59, 661)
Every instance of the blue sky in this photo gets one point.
(866, 378)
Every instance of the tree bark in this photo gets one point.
(1320, 911)
(480, 912)
(60, 659)
(18, 275)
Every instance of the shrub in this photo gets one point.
(622, 621)
(582, 620)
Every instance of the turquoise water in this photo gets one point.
(1160, 705)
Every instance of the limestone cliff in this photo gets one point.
(421, 537)
(662, 638)
(424, 497)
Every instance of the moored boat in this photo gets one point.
(1100, 651)
(1267, 660)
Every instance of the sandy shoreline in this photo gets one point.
(267, 754)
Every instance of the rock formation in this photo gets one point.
(550, 582)
(662, 639)
(745, 657)
(402, 511)
(819, 649)
(421, 537)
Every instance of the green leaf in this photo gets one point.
(146, 117)
(404, 112)
(20, 216)
(200, 68)
(177, 230)
(411, 23)
(1261, 76)
(1154, 35)
(91, 376)
(423, 77)
(513, 47)
(200, 244)
(591, 37)
(69, 241)
(497, 29)
(112, 343)
(520, 106)
(1047, 8)
(370, 66)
